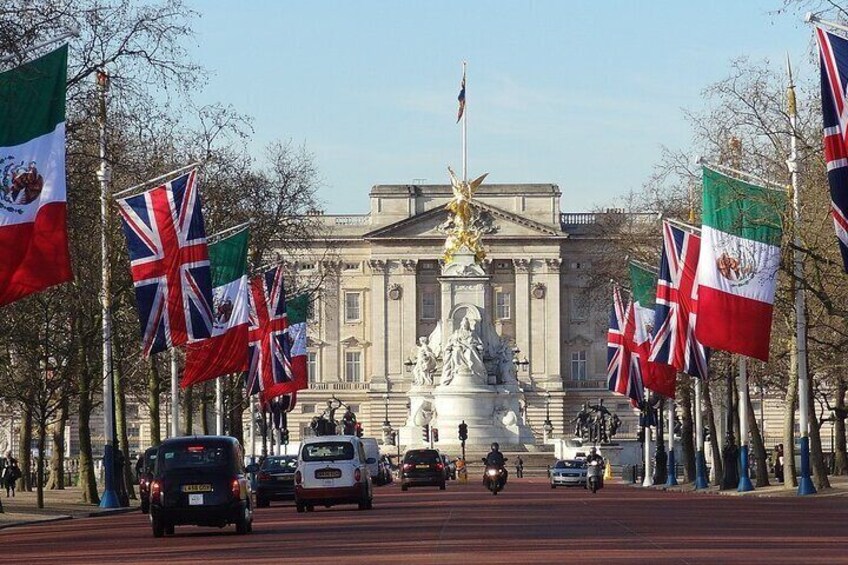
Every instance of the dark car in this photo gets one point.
(275, 480)
(200, 481)
(422, 467)
(145, 475)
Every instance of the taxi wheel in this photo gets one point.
(158, 527)
(311, 508)
(404, 488)
(300, 507)
(169, 529)
(553, 485)
(442, 486)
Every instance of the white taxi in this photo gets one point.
(332, 470)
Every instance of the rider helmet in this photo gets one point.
(495, 446)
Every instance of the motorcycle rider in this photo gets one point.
(595, 456)
(496, 459)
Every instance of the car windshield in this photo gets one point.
(327, 451)
(570, 465)
(279, 464)
(193, 456)
(421, 457)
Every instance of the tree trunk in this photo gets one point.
(42, 444)
(87, 478)
(711, 422)
(25, 452)
(687, 442)
(236, 410)
(758, 447)
(840, 456)
(188, 412)
(790, 476)
(124, 474)
(816, 454)
(57, 459)
(204, 407)
(154, 385)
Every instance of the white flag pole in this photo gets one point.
(464, 126)
(671, 479)
(648, 480)
(700, 462)
(175, 395)
(805, 483)
(104, 175)
(219, 406)
(35, 48)
(744, 478)
(811, 18)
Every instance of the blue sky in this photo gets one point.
(581, 94)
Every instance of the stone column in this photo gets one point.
(378, 323)
(522, 307)
(409, 309)
(553, 313)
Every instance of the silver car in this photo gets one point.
(568, 472)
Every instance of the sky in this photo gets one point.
(582, 94)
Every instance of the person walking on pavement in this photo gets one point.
(10, 476)
(519, 467)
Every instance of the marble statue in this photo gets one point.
(463, 353)
(425, 364)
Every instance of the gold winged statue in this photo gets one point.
(463, 231)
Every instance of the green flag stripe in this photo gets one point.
(32, 98)
(745, 210)
(297, 309)
(228, 258)
(644, 284)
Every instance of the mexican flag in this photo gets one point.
(297, 310)
(33, 211)
(655, 376)
(225, 351)
(737, 266)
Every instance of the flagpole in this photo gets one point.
(48, 43)
(175, 395)
(252, 428)
(464, 130)
(700, 462)
(104, 175)
(648, 480)
(742, 175)
(219, 406)
(811, 18)
(671, 480)
(744, 478)
(805, 483)
(155, 179)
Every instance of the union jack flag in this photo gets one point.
(623, 373)
(270, 370)
(677, 304)
(169, 261)
(834, 79)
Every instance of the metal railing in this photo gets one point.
(339, 386)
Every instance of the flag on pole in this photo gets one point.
(271, 370)
(623, 372)
(834, 76)
(225, 351)
(461, 98)
(737, 264)
(169, 261)
(655, 376)
(674, 341)
(33, 200)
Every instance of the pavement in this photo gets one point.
(526, 523)
(839, 488)
(58, 505)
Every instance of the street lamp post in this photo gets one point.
(548, 426)
(388, 436)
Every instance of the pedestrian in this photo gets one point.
(519, 467)
(10, 476)
(778, 462)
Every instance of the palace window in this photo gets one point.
(308, 408)
(578, 306)
(353, 366)
(578, 365)
(503, 305)
(351, 266)
(352, 310)
(428, 305)
(312, 366)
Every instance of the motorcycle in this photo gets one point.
(594, 475)
(494, 477)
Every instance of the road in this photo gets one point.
(527, 523)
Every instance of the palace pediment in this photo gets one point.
(494, 222)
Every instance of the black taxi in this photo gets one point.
(200, 481)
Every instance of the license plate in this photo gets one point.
(284, 479)
(197, 488)
(422, 466)
(195, 500)
(328, 474)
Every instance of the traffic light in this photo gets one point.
(463, 431)
(284, 436)
(435, 434)
(358, 428)
(426, 433)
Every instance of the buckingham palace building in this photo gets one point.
(379, 292)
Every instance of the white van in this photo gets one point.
(332, 470)
(372, 451)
